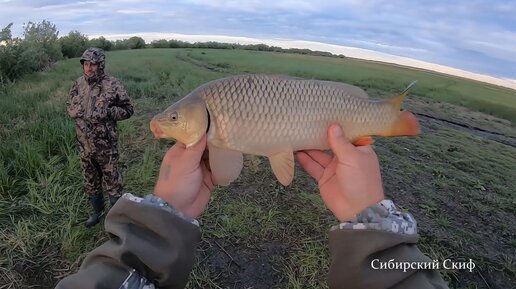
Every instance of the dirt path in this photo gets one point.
(491, 135)
(186, 58)
(460, 118)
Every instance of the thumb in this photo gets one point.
(338, 142)
(196, 151)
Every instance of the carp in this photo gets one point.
(274, 116)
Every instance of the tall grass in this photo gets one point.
(40, 179)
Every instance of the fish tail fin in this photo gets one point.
(397, 100)
(405, 124)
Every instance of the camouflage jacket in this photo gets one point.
(96, 106)
(152, 245)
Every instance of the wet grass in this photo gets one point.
(256, 233)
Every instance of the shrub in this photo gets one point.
(101, 42)
(38, 48)
(74, 44)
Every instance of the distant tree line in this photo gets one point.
(220, 45)
(40, 46)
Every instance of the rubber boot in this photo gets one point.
(113, 200)
(97, 202)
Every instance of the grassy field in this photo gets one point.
(377, 78)
(459, 184)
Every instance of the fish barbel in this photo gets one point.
(274, 116)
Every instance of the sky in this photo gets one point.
(477, 36)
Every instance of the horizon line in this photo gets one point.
(347, 51)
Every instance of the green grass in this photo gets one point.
(378, 79)
(459, 186)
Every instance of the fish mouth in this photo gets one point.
(156, 130)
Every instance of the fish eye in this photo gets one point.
(174, 116)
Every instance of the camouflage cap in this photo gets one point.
(94, 55)
(97, 56)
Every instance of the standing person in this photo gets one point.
(96, 102)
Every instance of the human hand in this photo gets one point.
(185, 182)
(350, 181)
(75, 112)
(74, 107)
(100, 112)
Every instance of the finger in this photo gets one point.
(196, 151)
(365, 149)
(173, 151)
(200, 144)
(319, 156)
(329, 172)
(312, 167)
(208, 176)
(339, 144)
(199, 204)
(179, 145)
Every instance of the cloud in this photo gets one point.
(48, 3)
(471, 34)
(389, 47)
(336, 49)
(257, 6)
(505, 7)
(134, 11)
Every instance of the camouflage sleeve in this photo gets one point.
(381, 216)
(136, 281)
(123, 108)
(73, 103)
(151, 245)
(155, 201)
(379, 235)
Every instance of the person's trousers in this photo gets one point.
(101, 170)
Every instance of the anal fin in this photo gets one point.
(283, 166)
(225, 164)
(363, 141)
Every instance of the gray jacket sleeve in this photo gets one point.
(379, 234)
(150, 246)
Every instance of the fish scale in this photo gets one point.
(261, 117)
(274, 116)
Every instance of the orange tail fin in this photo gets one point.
(405, 124)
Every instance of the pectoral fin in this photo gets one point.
(283, 166)
(225, 164)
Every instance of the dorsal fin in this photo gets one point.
(397, 100)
